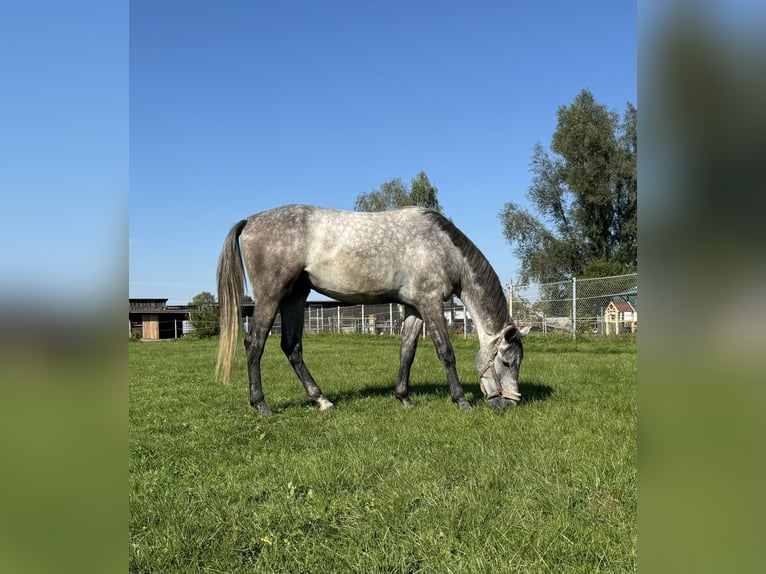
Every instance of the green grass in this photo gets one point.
(549, 486)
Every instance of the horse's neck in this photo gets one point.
(486, 322)
(479, 286)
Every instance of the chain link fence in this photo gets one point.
(606, 305)
(383, 319)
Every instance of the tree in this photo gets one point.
(394, 194)
(584, 195)
(422, 193)
(204, 314)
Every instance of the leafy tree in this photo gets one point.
(422, 193)
(394, 194)
(584, 195)
(204, 314)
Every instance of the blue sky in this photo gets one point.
(63, 150)
(190, 115)
(238, 107)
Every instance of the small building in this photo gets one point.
(154, 319)
(620, 317)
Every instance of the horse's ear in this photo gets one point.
(509, 332)
(507, 349)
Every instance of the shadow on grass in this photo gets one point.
(534, 392)
(530, 392)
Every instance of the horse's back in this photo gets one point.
(323, 228)
(348, 255)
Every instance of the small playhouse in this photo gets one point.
(620, 317)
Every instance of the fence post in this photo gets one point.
(465, 321)
(391, 318)
(362, 325)
(574, 307)
(510, 300)
(338, 318)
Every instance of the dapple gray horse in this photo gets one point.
(411, 256)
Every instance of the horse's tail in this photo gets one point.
(231, 286)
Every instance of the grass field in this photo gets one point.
(549, 486)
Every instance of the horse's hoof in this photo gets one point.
(264, 410)
(464, 405)
(324, 404)
(407, 404)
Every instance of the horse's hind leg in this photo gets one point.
(292, 310)
(255, 341)
(411, 329)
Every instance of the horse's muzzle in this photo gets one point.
(500, 402)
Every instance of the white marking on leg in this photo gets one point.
(324, 404)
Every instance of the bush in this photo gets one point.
(204, 316)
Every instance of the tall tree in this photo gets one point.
(424, 194)
(394, 194)
(584, 195)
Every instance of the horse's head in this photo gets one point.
(499, 367)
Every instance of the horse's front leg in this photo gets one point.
(411, 328)
(437, 327)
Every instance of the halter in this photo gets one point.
(498, 390)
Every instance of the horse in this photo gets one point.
(410, 256)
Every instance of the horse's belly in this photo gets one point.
(354, 284)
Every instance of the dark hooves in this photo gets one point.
(264, 410)
(464, 404)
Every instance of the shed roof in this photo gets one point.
(623, 306)
(147, 305)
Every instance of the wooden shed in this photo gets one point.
(620, 317)
(153, 319)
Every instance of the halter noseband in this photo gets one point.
(498, 391)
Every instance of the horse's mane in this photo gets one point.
(486, 285)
